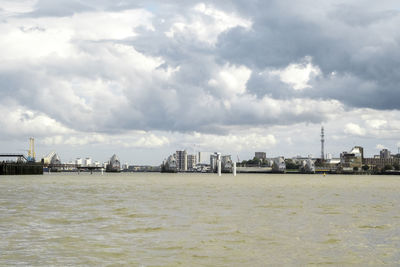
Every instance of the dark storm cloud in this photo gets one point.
(357, 42)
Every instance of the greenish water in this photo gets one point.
(146, 219)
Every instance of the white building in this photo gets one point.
(204, 157)
(79, 161)
(88, 161)
(279, 165)
(213, 161)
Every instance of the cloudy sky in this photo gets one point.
(144, 78)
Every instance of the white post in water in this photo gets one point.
(234, 169)
(219, 167)
(102, 171)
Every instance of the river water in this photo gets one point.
(152, 219)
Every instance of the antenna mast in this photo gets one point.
(322, 143)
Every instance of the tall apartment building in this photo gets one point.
(182, 160)
(191, 161)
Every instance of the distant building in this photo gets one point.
(278, 164)
(213, 161)
(379, 163)
(226, 163)
(308, 166)
(51, 158)
(360, 149)
(385, 154)
(351, 161)
(260, 155)
(204, 157)
(169, 165)
(191, 162)
(114, 165)
(88, 162)
(181, 160)
(79, 162)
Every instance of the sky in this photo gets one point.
(143, 79)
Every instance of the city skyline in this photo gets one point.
(142, 79)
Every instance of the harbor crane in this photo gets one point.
(31, 151)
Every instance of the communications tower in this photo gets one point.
(322, 143)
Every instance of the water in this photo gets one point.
(145, 219)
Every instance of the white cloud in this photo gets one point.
(19, 121)
(35, 38)
(380, 146)
(298, 74)
(234, 142)
(131, 139)
(231, 80)
(150, 140)
(13, 7)
(354, 129)
(376, 124)
(206, 23)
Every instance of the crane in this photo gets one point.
(31, 151)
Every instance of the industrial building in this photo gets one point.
(351, 161)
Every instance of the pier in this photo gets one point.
(21, 168)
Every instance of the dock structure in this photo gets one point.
(21, 168)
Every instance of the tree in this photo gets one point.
(291, 165)
(355, 169)
(365, 167)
